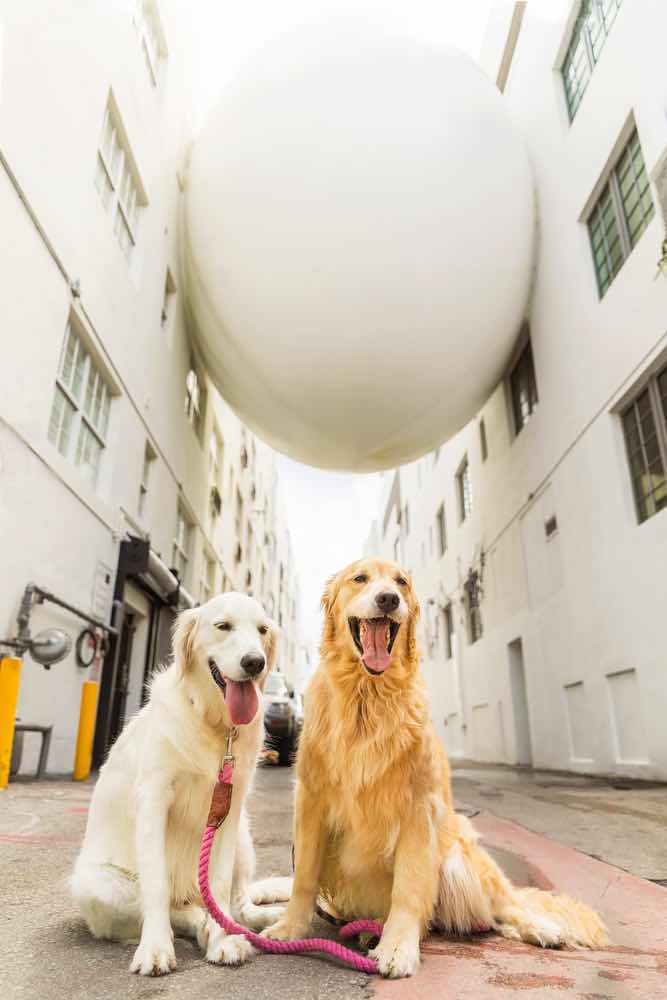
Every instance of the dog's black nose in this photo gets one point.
(387, 601)
(253, 663)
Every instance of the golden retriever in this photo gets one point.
(136, 875)
(375, 832)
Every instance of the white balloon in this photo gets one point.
(359, 244)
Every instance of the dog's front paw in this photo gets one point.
(232, 949)
(154, 958)
(286, 929)
(396, 960)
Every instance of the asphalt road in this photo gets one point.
(46, 951)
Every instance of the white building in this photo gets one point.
(120, 466)
(537, 537)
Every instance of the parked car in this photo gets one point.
(280, 720)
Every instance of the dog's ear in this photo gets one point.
(184, 634)
(271, 643)
(331, 588)
(412, 626)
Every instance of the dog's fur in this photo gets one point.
(136, 874)
(376, 834)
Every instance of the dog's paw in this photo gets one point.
(232, 949)
(396, 960)
(154, 958)
(258, 918)
(286, 930)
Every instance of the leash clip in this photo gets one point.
(231, 736)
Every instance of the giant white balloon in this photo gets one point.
(359, 243)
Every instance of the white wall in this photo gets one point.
(588, 605)
(59, 64)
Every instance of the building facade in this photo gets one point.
(128, 489)
(537, 536)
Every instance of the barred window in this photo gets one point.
(523, 387)
(464, 489)
(116, 180)
(80, 410)
(645, 429)
(621, 213)
(152, 38)
(590, 33)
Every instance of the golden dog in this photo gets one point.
(375, 832)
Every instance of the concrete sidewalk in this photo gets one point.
(45, 951)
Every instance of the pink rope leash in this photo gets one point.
(299, 947)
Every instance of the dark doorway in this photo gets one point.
(119, 694)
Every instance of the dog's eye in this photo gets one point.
(401, 581)
(262, 629)
(361, 578)
(224, 626)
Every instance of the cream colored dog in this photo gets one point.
(136, 874)
(375, 830)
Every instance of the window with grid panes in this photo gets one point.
(152, 43)
(80, 410)
(116, 181)
(645, 429)
(464, 487)
(523, 387)
(621, 213)
(590, 32)
(182, 544)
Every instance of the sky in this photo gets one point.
(329, 514)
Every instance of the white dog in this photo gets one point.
(136, 874)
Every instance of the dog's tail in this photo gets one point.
(475, 894)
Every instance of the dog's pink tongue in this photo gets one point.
(374, 643)
(241, 700)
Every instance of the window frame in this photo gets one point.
(81, 423)
(441, 524)
(182, 547)
(611, 193)
(483, 442)
(465, 499)
(448, 630)
(207, 578)
(519, 420)
(581, 29)
(195, 398)
(122, 194)
(658, 410)
(150, 456)
(473, 609)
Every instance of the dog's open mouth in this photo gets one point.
(374, 638)
(240, 696)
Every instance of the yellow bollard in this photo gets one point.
(84, 740)
(10, 674)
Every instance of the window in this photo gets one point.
(396, 549)
(80, 410)
(442, 529)
(472, 602)
(182, 544)
(551, 527)
(482, 440)
(645, 429)
(168, 298)
(621, 214)
(215, 457)
(207, 582)
(588, 37)
(523, 387)
(448, 630)
(406, 520)
(117, 180)
(153, 44)
(195, 398)
(464, 489)
(149, 457)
